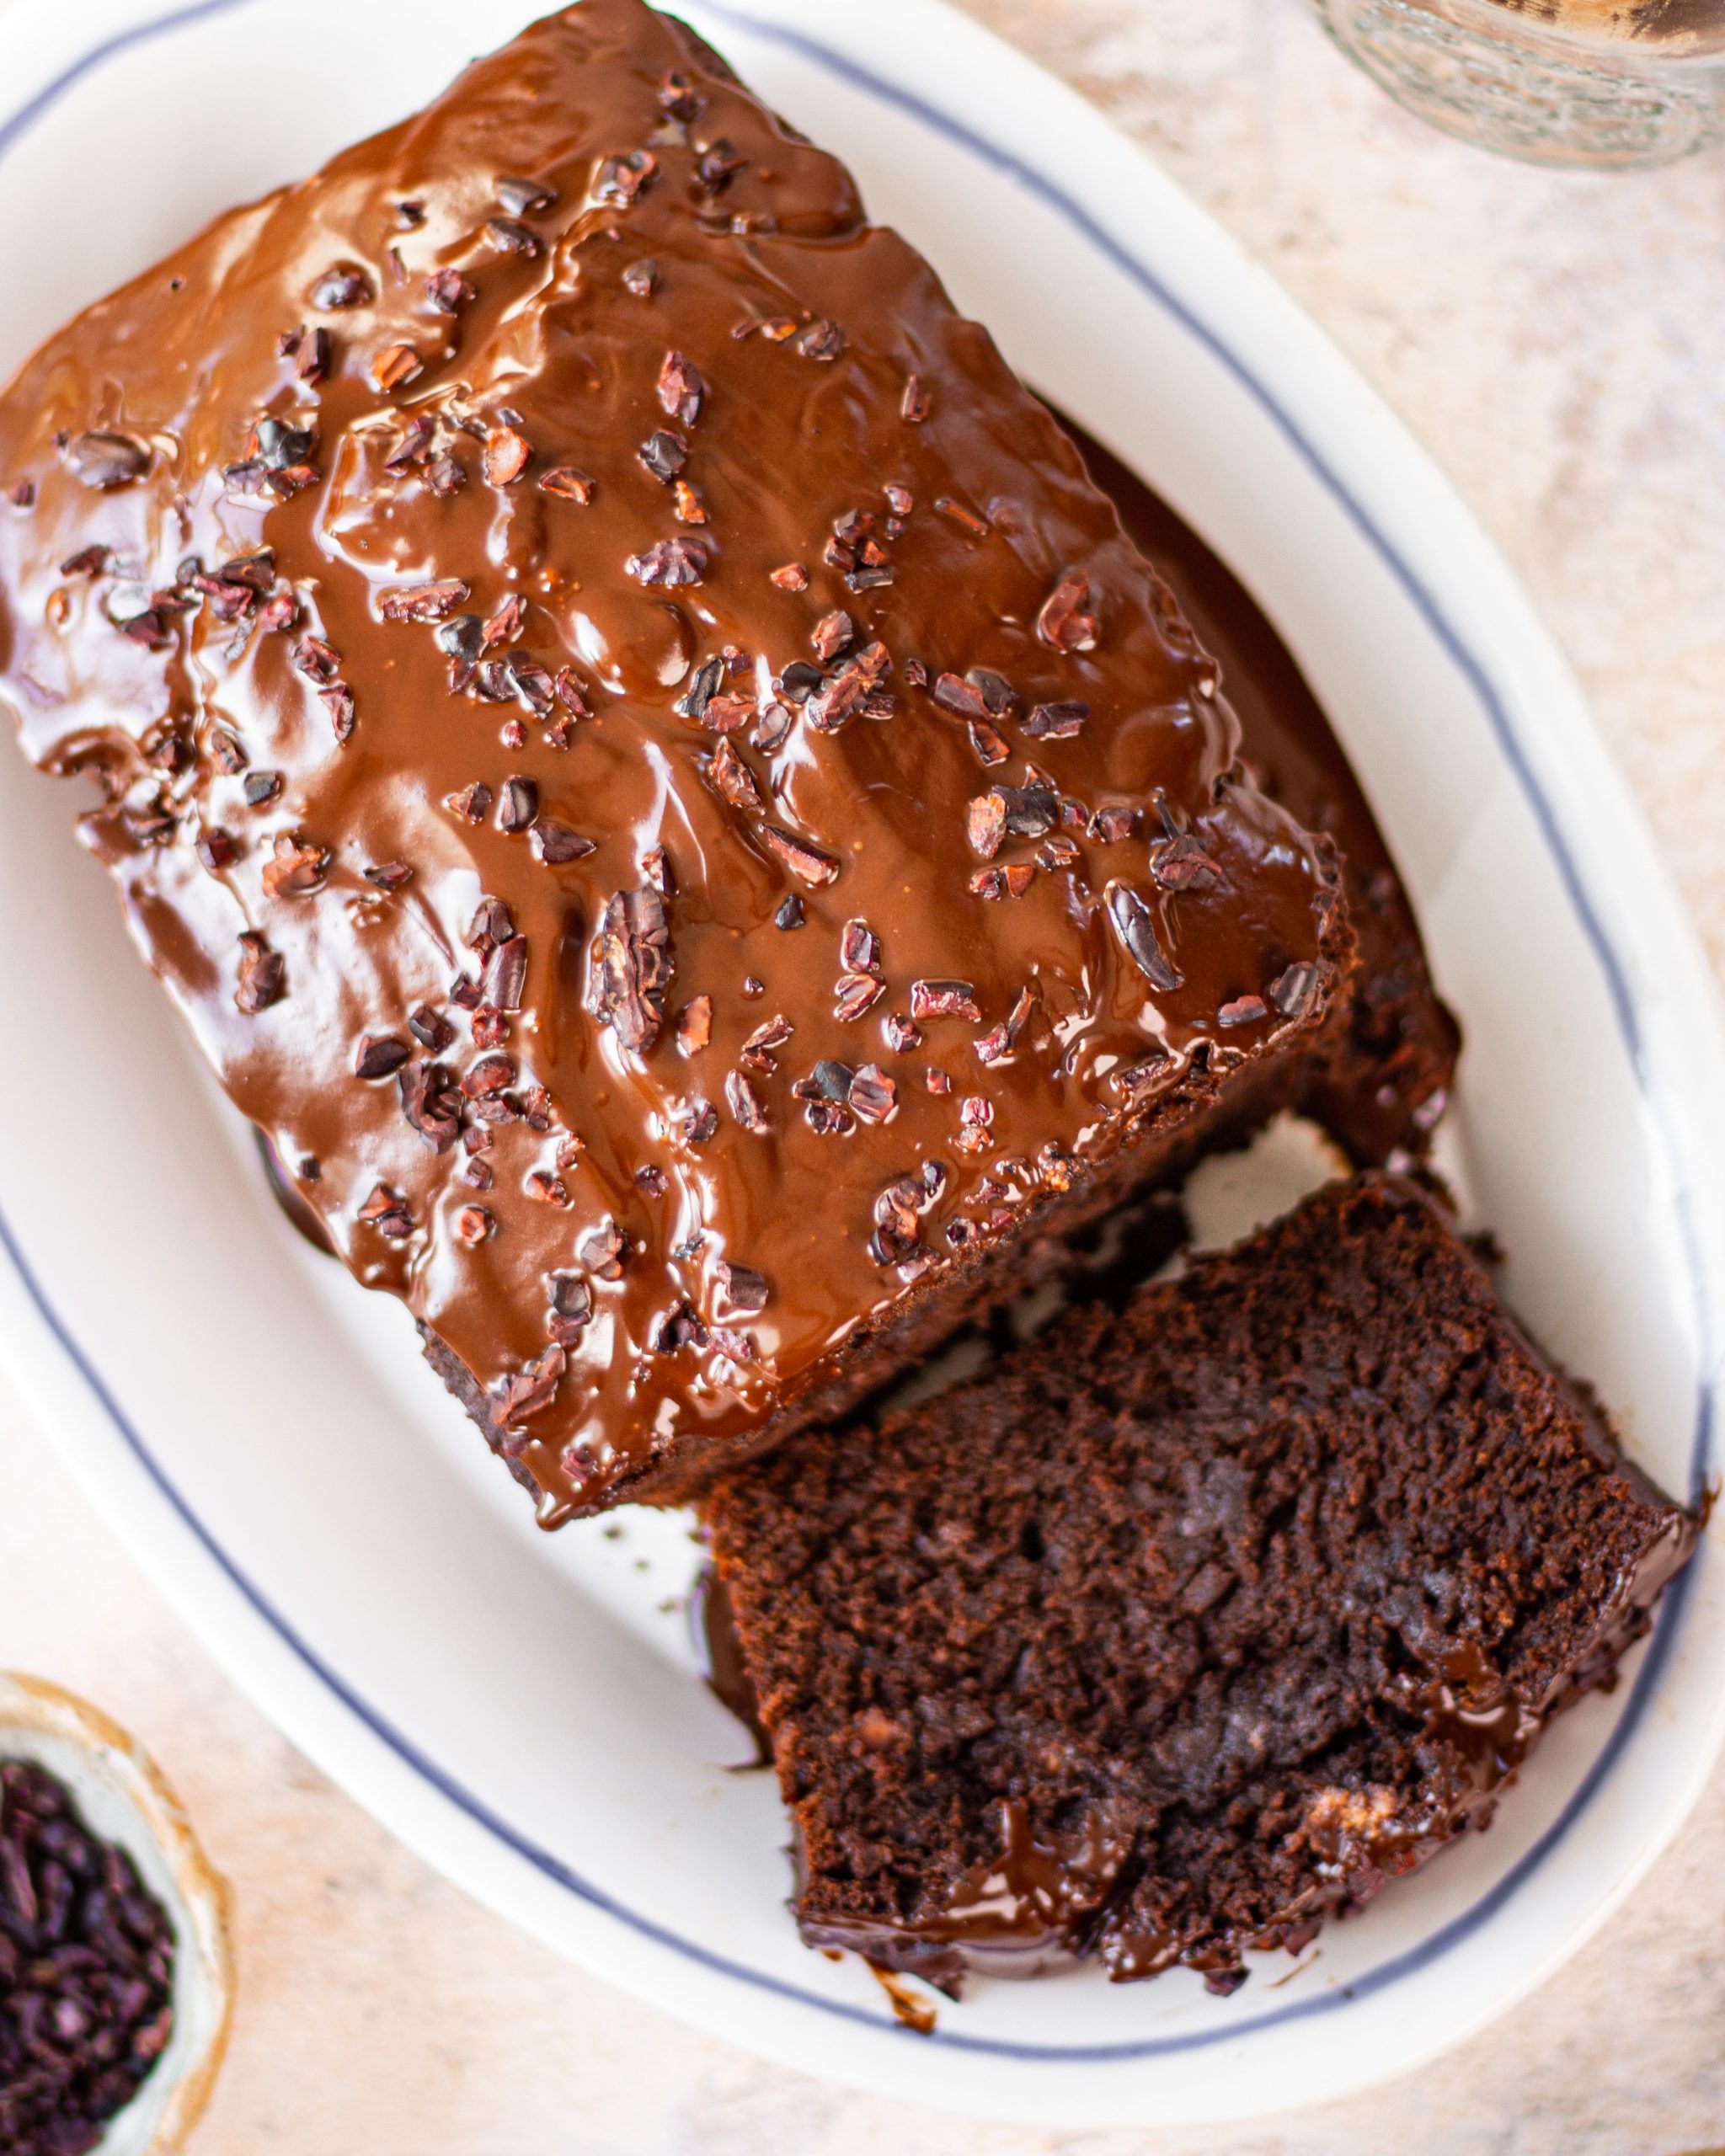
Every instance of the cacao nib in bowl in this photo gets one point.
(115, 1962)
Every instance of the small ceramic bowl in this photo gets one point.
(125, 1799)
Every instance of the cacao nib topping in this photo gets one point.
(619, 180)
(430, 1104)
(944, 998)
(757, 1051)
(1135, 924)
(734, 780)
(509, 235)
(1293, 991)
(518, 806)
(681, 1327)
(492, 924)
(859, 948)
(422, 602)
(462, 636)
(853, 993)
(489, 1075)
(473, 1224)
(1180, 864)
(670, 562)
(916, 403)
(996, 1045)
(532, 1389)
(631, 968)
(1111, 824)
(740, 1098)
(1056, 722)
(449, 291)
(664, 454)
(506, 974)
(471, 804)
(873, 1095)
(523, 198)
(829, 1080)
(800, 680)
(91, 561)
(718, 166)
(555, 843)
(103, 461)
(261, 787)
(1242, 1011)
(1067, 621)
(278, 446)
(341, 287)
(379, 1055)
(695, 1026)
(833, 633)
(263, 974)
(746, 1291)
(216, 850)
(821, 340)
(566, 483)
(802, 856)
(508, 454)
(431, 1028)
(571, 1307)
(899, 1033)
(682, 392)
(640, 277)
(704, 685)
(297, 868)
(790, 914)
(695, 1123)
(605, 1251)
(953, 694)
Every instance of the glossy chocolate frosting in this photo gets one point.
(658, 781)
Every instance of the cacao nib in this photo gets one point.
(833, 633)
(821, 340)
(506, 974)
(449, 291)
(899, 1032)
(1135, 924)
(263, 974)
(102, 461)
(671, 562)
(431, 1028)
(619, 180)
(678, 1327)
(719, 165)
(829, 1118)
(1067, 621)
(261, 787)
(532, 1390)
(853, 993)
(521, 198)
(471, 804)
(757, 1051)
(571, 1305)
(631, 968)
(800, 680)
(1056, 722)
(915, 403)
(518, 806)
(664, 454)
(744, 1289)
(640, 277)
(507, 456)
(555, 843)
(740, 1099)
(545, 1188)
(566, 483)
(1242, 1011)
(379, 1055)
(604, 1251)
(1111, 824)
(859, 948)
(998, 1043)
(695, 1123)
(873, 1095)
(509, 235)
(791, 577)
(216, 850)
(944, 998)
(954, 694)
(473, 1224)
(430, 1104)
(734, 780)
(1292, 991)
(681, 390)
(342, 286)
(802, 856)
(1180, 864)
(462, 636)
(297, 868)
(422, 602)
(790, 914)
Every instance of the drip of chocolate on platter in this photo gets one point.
(655, 778)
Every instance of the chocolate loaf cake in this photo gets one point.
(1187, 1626)
(655, 777)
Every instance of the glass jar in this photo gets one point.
(1605, 84)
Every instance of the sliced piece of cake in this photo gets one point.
(1187, 1624)
(657, 780)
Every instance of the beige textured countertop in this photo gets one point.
(1559, 344)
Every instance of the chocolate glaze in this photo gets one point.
(278, 520)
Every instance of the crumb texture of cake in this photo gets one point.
(1185, 1626)
(658, 781)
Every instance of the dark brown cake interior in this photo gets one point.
(1187, 1625)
